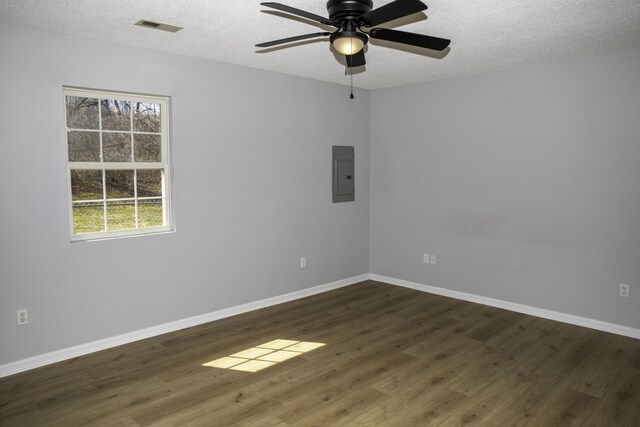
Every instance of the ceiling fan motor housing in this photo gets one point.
(340, 10)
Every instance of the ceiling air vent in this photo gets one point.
(158, 26)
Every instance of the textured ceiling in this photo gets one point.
(486, 35)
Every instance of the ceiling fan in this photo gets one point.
(355, 21)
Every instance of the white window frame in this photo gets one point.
(164, 164)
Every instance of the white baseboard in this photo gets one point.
(103, 344)
(520, 308)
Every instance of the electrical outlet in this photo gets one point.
(303, 262)
(433, 259)
(22, 316)
(425, 258)
(624, 290)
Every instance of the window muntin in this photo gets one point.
(117, 161)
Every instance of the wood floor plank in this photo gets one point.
(564, 407)
(620, 405)
(333, 406)
(434, 367)
(391, 357)
(421, 405)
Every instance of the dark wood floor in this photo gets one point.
(393, 357)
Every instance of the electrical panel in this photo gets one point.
(343, 174)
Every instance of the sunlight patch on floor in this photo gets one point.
(264, 355)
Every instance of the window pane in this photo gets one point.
(119, 184)
(84, 146)
(82, 113)
(117, 147)
(149, 183)
(147, 148)
(150, 213)
(88, 217)
(116, 115)
(146, 117)
(86, 185)
(121, 215)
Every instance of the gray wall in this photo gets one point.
(251, 184)
(525, 184)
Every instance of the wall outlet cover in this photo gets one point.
(22, 316)
(624, 290)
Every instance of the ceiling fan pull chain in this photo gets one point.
(351, 96)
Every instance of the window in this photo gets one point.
(117, 161)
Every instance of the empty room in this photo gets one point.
(319, 213)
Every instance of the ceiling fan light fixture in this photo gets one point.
(348, 42)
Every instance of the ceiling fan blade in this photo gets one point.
(294, 11)
(413, 39)
(291, 39)
(389, 12)
(356, 60)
